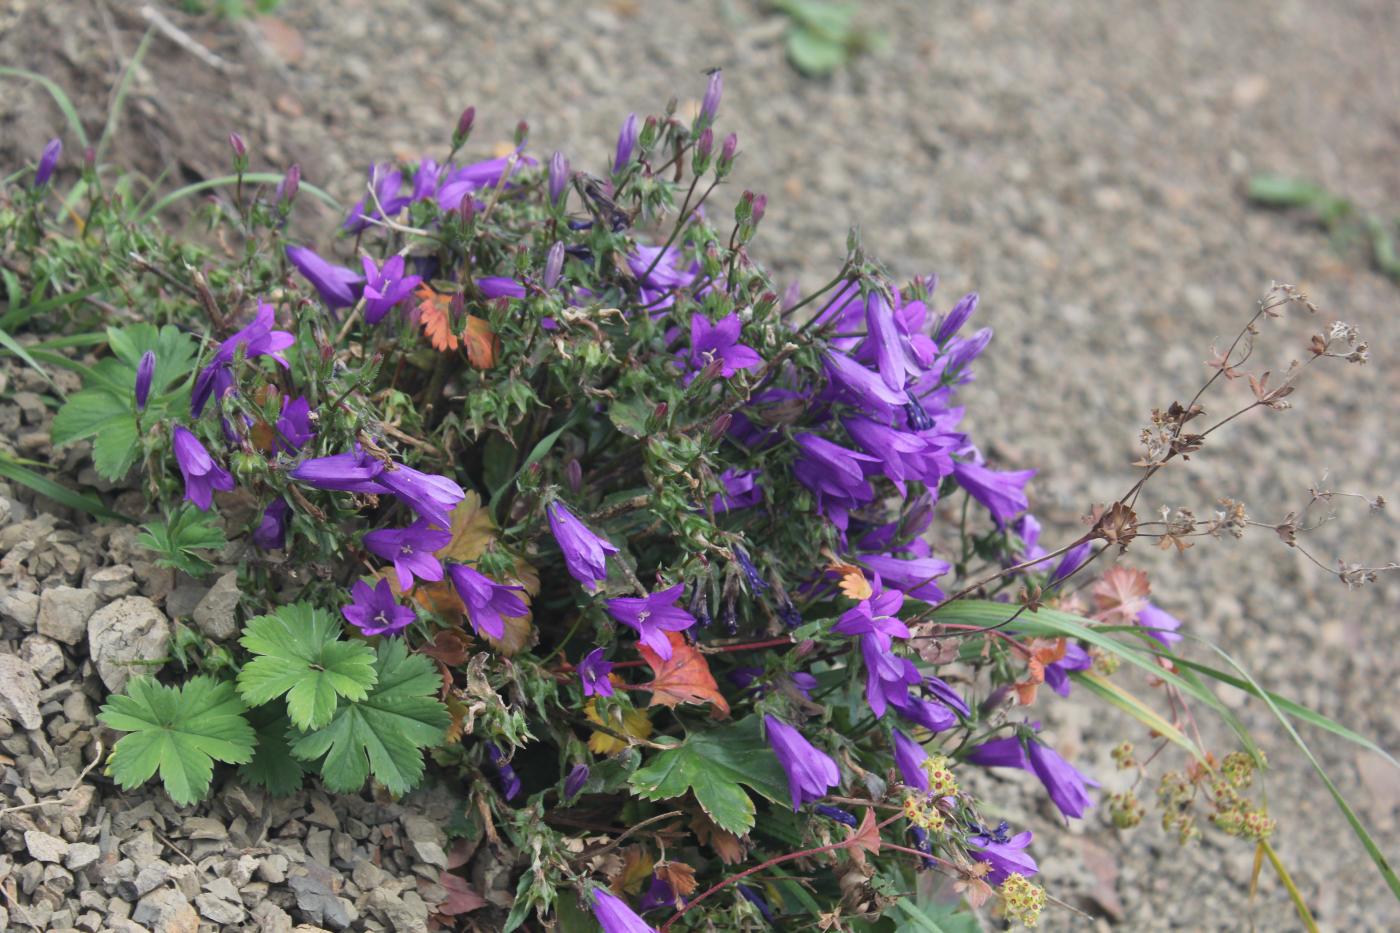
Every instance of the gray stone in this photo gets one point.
(222, 888)
(406, 912)
(43, 847)
(81, 855)
(19, 693)
(64, 612)
(182, 600)
(316, 900)
(425, 840)
(123, 633)
(113, 582)
(204, 827)
(166, 910)
(44, 656)
(273, 868)
(271, 918)
(215, 614)
(20, 607)
(318, 845)
(219, 910)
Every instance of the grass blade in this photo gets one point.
(225, 181)
(1130, 704)
(1300, 905)
(70, 113)
(9, 343)
(17, 471)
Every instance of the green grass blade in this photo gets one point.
(70, 113)
(114, 112)
(13, 469)
(1134, 707)
(225, 181)
(1299, 905)
(9, 343)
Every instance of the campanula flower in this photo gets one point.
(575, 781)
(271, 533)
(432, 497)
(255, 340)
(385, 287)
(386, 181)
(614, 916)
(751, 895)
(294, 429)
(914, 576)
(375, 611)
(811, 772)
(425, 180)
(1057, 672)
(652, 616)
(659, 893)
(356, 471)
(888, 677)
(837, 814)
(558, 178)
(933, 716)
(714, 91)
(1072, 560)
(834, 473)
(48, 159)
(1162, 623)
(498, 286)
(660, 272)
(553, 264)
(1005, 858)
(909, 756)
(1064, 783)
(719, 340)
(864, 387)
(145, 372)
(876, 615)
(901, 455)
(488, 603)
(460, 182)
(585, 553)
(946, 694)
(411, 549)
(626, 143)
(961, 351)
(893, 355)
(594, 674)
(741, 490)
(202, 474)
(506, 777)
(956, 318)
(338, 286)
(1003, 493)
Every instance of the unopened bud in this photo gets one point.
(290, 184)
(553, 265)
(558, 178)
(704, 146)
(573, 475)
(648, 135)
(522, 132)
(626, 143)
(145, 371)
(727, 153)
(759, 204)
(467, 209)
(720, 426)
(235, 143)
(464, 126)
(710, 105)
(48, 159)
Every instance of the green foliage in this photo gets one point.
(231, 9)
(299, 654)
(273, 767)
(824, 36)
(381, 733)
(180, 731)
(1334, 213)
(711, 765)
(178, 540)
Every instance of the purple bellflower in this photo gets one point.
(506, 777)
(375, 611)
(585, 554)
(750, 894)
(386, 181)
(411, 549)
(956, 318)
(1065, 784)
(499, 286)
(257, 339)
(294, 425)
(1162, 623)
(659, 893)
(914, 577)
(488, 603)
(835, 475)
(844, 817)
(145, 372)
(1072, 560)
(1057, 672)
(202, 474)
(385, 287)
(48, 159)
(1005, 858)
(910, 756)
(811, 772)
(626, 143)
(432, 497)
(946, 694)
(425, 180)
(893, 354)
(614, 916)
(877, 615)
(271, 533)
(593, 674)
(714, 91)
(1003, 494)
(355, 471)
(338, 286)
(741, 490)
(719, 340)
(558, 178)
(862, 385)
(652, 616)
(575, 781)
(905, 456)
(458, 183)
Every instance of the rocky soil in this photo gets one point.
(1079, 164)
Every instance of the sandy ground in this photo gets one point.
(1079, 164)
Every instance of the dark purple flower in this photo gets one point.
(862, 385)
(946, 694)
(271, 533)
(1072, 560)
(1002, 493)
(498, 286)
(914, 577)
(575, 781)
(956, 318)
(835, 475)
(935, 717)
(811, 772)
(554, 264)
(962, 351)
(652, 616)
(145, 372)
(751, 895)
(1162, 623)
(719, 340)
(488, 603)
(202, 474)
(287, 188)
(48, 159)
(1009, 752)
(432, 497)
(741, 490)
(1057, 672)
(626, 143)
(585, 553)
(375, 611)
(713, 92)
(411, 549)
(1065, 783)
(558, 178)
(1006, 858)
(355, 471)
(338, 286)
(888, 677)
(593, 674)
(386, 181)
(614, 916)
(837, 814)
(458, 183)
(906, 456)
(385, 287)
(294, 426)
(659, 893)
(257, 339)
(660, 272)
(893, 355)
(425, 180)
(877, 615)
(909, 756)
(506, 777)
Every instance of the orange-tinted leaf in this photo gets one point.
(456, 727)
(1120, 594)
(867, 837)
(679, 875)
(685, 678)
(729, 847)
(448, 646)
(461, 897)
(852, 580)
(434, 314)
(632, 723)
(482, 343)
(636, 868)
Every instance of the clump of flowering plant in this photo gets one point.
(690, 584)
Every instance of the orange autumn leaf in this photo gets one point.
(684, 678)
(853, 582)
(865, 839)
(1120, 594)
(679, 875)
(434, 313)
(1044, 651)
(729, 847)
(482, 343)
(636, 868)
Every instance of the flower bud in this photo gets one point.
(558, 178)
(648, 135)
(573, 475)
(743, 211)
(720, 426)
(290, 184)
(626, 143)
(726, 155)
(522, 132)
(710, 105)
(145, 370)
(575, 781)
(464, 127)
(553, 265)
(704, 146)
(47, 161)
(235, 143)
(89, 159)
(760, 202)
(467, 210)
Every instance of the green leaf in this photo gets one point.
(116, 448)
(273, 767)
(1282, 191)
(180, 731)
(17, 471)
(226, 181)
(928, 916)
(382, 733)
(9, 343)
(300, 655)
(178, 540)
(88, 412)
(65, 105)
(712, 765)
(813, 54)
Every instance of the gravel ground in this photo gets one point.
(1080, 165)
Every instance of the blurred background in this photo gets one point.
(1084, 166)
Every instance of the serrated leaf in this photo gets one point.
(712, 765)
(178, 539)
(178, 731)
(86, 413)
(273, 767)
(114, 450)
(300, 655)
(382, 733)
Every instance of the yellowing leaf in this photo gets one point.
(434, 313)
(481, 342)
(632, 723)
(685, 678)
(636, 869)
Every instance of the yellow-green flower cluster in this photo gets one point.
(1022, 900)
